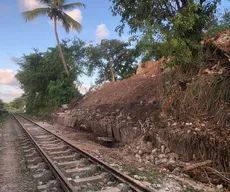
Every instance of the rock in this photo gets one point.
(137, 156)
(171, 162)
(197, 129)
(136, 177)
(162, 148)
(188, 124)
(189, 131)
(173, 156)
(161, 156)
(219, 186)
(154, 151)
(141, 169)
(161, 161)
(174, 124)
(177, 171)
(149, 145)
(140, 152)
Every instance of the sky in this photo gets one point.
(18, 37)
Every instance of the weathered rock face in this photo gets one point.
(114, 121)
(221, 41)
(151, 67)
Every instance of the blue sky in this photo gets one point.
(18, 37)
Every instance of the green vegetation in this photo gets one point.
(172, 29)
(3, 113)
(151, 176)
(113, 59)
(55, 11)
(45, 84)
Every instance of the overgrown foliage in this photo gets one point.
(45, 84)
(1, 104)
(113, 59)
(18, 102)
(168, 28)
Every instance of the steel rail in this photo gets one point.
(134, 184)
(65, 184)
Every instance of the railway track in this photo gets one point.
(59, 166)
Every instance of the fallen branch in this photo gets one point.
(197, 165)
(219, 174)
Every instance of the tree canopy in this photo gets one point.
(113, 60)
(44, 82)
(174, 28)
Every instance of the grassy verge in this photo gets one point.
(3, 118)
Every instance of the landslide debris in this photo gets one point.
(188, 114)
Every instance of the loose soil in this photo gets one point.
(14, 177)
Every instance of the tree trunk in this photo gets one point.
(113, 75)
(59, 47)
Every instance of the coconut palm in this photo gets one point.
(55, 11)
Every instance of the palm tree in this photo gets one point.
(55, 11)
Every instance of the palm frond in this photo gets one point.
(45, 1)
(72, 6)
(60, 2)
(68, 22)
(30, 15)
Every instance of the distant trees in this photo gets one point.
(55, 11)
(1, 104)
(43, 80)
(113, 59)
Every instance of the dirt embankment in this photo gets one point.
(187, 113)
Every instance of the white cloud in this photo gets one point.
(11, 93)
(75, 14)
(29, 4)
(83, 88)
(7, 77)
(101, 32)
(9, 86)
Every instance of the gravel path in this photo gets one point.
(14, 177)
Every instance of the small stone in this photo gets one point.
(149, 145)
(76, 177)
(141, 169)
(219, 186)
(136, 177)
(197, 129)
(137, 156)
(202, 125)
(174, 124)
(161, 156)
(140, 152)
(162, 148)
(189, 131)
(154, 151)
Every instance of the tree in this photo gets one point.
(113, 59)
(1, 104)
(176, 25)
(55, 11)
(43, 80)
